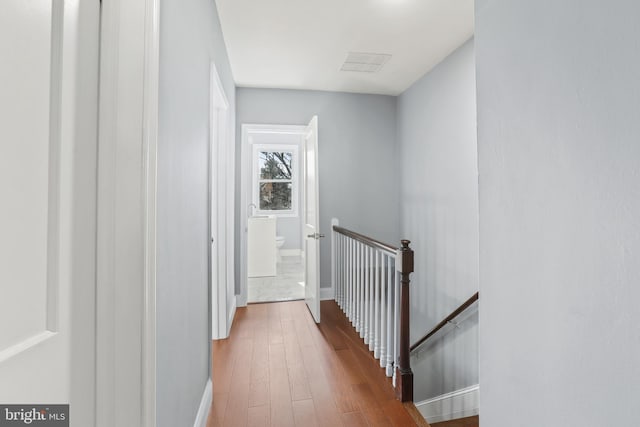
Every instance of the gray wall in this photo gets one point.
(439, 204)
(190, 37)
(357, 157)
(559, 163)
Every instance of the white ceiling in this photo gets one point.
(302, 44)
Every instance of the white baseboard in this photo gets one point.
(205, 406)
(458, 404)
(232, 315)
(326, 294)
(290, 252)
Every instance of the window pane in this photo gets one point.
(275, 164)
(275, 196)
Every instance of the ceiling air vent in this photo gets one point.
(365, 62)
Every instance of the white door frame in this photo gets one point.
(249, 131)
(126, 228)
(221, 211)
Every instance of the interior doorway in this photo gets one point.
(273, 213)
(275, 267)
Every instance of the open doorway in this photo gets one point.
(276, 165)
(275, 272)
(274, 195)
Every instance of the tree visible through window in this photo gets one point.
(275, 181)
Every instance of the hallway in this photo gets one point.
(279, 368)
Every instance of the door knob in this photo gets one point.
(315, 236)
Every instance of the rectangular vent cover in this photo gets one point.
(365, 62)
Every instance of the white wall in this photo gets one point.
(190, 38)
(439, 204)
(559, 162)
(357, 157)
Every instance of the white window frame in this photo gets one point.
(293, 149)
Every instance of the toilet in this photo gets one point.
(279, 244)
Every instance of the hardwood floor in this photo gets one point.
(462, 422)
(279, 369)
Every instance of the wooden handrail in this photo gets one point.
(366, 239)
(455, 313)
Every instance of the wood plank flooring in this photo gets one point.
(279, 369)
(462, 422)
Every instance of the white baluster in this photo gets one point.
(390, 317)
(371, 295)
(340, 260)
(354, 302)
(351, 270)
(353, 283)
(383, 311)
(341, 264)
(347, 276)
(372, 281)
(342, 282)
(336, 263)
(359, 287)
(376, 305)
(352, 280)
(345, 260)
(361, 291)
(396, 325)
(366, 294)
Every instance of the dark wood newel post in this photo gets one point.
(404, 375)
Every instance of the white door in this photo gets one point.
(311, 221)
(220, 167)
(48, 142)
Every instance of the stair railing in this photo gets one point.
(446, 321)
(372, 288)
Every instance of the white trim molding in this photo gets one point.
(232, 314)
(150, 148)
(461, 403)
(126, 227)
(205, 406)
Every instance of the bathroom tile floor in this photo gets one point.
(287, 285)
